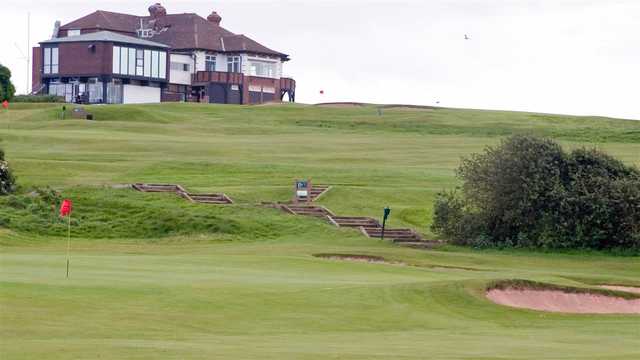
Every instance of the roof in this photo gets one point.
(104, 36)
(179, 31)
(106, 20)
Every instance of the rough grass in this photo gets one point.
(154, 276)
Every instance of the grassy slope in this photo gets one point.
(247, 286)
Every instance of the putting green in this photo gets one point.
(153, 276)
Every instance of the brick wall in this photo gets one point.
(36, 68)
(79, 59)
(253, 81)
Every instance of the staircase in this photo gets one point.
(355, 222)
(396, 235)
(307, 210)
(315, 193)
(220, 199)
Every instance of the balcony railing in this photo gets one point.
(218, 76)
(203, 77)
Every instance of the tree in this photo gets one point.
(7, 181)
(528, 192)
(7, 90)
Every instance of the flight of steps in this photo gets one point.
(159, 188)
(307, 210)
(354, 221)
(316, 192)
(395, 235)
(220, 199)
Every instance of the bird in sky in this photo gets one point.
(466, 37)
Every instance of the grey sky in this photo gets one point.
(574, 57)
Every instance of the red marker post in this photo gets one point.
(65, 210)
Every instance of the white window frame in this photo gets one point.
(234, 64)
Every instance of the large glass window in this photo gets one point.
(263, 69)
(47, 60)
(210, 63)
(116, 59)
(139, 62)
(132, 61)
(154, 64)
(147, 63)
(54, 60)
(233, 64)
(50, 63)
(162, 64)
(124, 60)
(136, 62)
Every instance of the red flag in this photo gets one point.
(5, 104)
(66, 207)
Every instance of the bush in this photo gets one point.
(7, 180)
(6, 87)
(528, 192)
(38, 99)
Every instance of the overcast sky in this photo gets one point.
(572, 56)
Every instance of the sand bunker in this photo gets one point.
(631, 289)
(340, 105)
(359, 258)
(564, 302)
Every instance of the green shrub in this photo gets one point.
(7, 90)
(528, 192)
(7, 180)
(38, 99)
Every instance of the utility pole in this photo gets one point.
(28, 90)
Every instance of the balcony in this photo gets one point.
(204, 77)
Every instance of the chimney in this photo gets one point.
(214, 18)
(156, 10)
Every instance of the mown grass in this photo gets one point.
(153, 276)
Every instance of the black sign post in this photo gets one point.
(387, 211)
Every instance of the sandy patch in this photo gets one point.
(564, 302)
(631, 289)
(340, 105)
(358, 258)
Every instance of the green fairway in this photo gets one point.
(154, 276)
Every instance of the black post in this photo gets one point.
(387, 211)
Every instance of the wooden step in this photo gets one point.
(355, 221)
(396, 235)
(421, 244)
(210, 198)
(317, 211)
(157, 187)
(315, 193)
(177, 189)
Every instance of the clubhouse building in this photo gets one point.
(115, 58)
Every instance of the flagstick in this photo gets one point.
(68, 243)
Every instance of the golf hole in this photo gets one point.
(536, 296)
